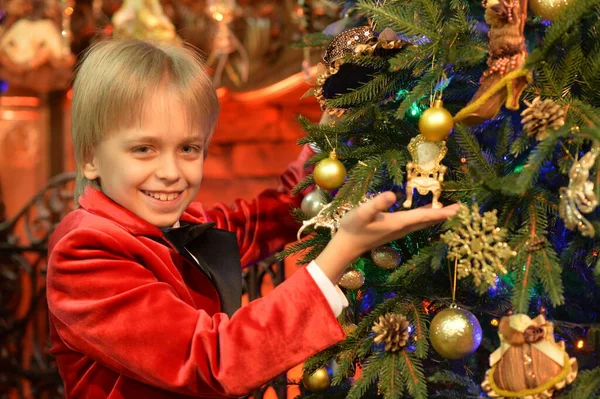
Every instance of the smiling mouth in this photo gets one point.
(162, 196)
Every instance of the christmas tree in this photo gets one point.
(492, 105)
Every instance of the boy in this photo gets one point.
(142, 295)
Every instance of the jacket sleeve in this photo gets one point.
(138, 326)
(264, 225)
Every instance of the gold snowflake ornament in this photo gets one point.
(477, 244)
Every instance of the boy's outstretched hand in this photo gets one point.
(369, 226)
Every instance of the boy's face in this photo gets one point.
(155, 169)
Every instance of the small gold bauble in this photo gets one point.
(312, 203)
(318, 381)
(386, 257)
(349, 328)
(353, 279)
(436, 122)
(455, 333)
(330, 173)
(548, 9)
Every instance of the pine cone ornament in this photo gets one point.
(541, 115)
(391, 329)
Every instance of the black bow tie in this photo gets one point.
(186, 233)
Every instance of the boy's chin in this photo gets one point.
(164, 222)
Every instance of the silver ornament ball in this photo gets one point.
(312, 203)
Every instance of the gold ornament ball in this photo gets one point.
(436, 122)
(312, 203)
(455, 333)
(549, 9)
(349, 328)
(353, 279)
(330, 173)
(318, 381)
(386, 257)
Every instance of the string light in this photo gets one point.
(580, 344)
(494, 322)
(414, 109)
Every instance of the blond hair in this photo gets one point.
(114, 81)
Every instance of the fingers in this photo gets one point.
(379, 204)
(428, 216)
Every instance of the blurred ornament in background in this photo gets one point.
(144, 20)
(35, 43)
(386, 257)
(225, 44)
(318, 381)
(549, 9)
(352, 279)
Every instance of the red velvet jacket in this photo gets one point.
(131, 318)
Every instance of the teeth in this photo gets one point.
(162, 196)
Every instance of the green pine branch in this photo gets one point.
(395, 162)
(371, 367)
(313, 40)
(560, 29)
(421, 90)
(461, 387)
(586, 385)
(303, 184)
(361, 179)
(475, 155)
(374, 90)
(412, 371)
(416, 316)
(428, 256)
(400, 18)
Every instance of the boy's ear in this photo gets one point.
(90, 168)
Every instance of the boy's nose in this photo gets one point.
(168, 170)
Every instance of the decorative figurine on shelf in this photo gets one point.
(226, 44)
(35, 51)
(144, 20)
(425, 173)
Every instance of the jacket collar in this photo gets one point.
(96, 202)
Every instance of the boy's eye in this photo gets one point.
(143, 149)
(190, 149)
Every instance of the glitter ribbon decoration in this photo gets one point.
(331, 219)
